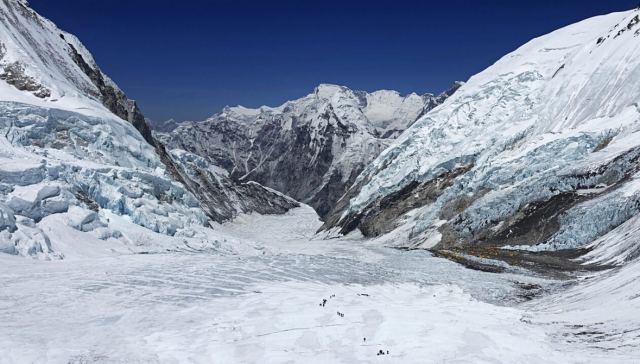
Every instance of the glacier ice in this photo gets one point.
(77, 165)
(550, 127)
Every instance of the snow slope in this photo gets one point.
(312, 148)
(539, 151)
(53, 68)
(80, 173)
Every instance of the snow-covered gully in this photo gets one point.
(282, 296)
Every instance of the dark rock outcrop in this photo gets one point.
(112, 97)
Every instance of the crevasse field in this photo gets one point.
(261, 301)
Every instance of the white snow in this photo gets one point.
(259, 300)
(126, 269)
(533, 125)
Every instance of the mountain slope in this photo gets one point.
(80, 172)
(312, 148)
(39, 58)
(539, 151)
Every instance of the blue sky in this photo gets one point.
(187, 59)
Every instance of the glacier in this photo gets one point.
(119, 244)
(547, 131)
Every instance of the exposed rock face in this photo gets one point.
(312, 148)
(223, 198)
(111, 96)
(14, 74)
(539, 153)
(385, 216)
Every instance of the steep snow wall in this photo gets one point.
(53, 65)
(539, 151)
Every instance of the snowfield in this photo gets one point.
(260, 301)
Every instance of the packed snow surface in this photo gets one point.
(259, 298)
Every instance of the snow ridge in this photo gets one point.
(549, 131)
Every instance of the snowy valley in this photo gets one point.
(495, 222)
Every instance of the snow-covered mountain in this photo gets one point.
(78, 163)
(38, 58)
(535, 154)
(538, 152)
(311, 148)
(164, 126)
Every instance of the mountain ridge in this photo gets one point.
(77, 158)
(526, 155)
(311, 148)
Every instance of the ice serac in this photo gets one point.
(538, 152)
(312, 148)
(80, 172)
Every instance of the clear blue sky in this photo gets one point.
(187, 59)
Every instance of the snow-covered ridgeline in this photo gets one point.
(549, 130)
(54, 69)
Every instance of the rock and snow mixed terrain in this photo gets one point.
(538, 152)
(110, 251)
(311, 149)
(74, 150)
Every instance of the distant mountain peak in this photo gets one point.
(311, 148)
(327, 90)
